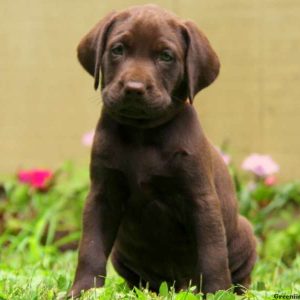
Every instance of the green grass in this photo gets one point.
(37, 227)
(50, 276)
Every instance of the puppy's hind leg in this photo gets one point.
(242, 255)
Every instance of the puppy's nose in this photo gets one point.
(134, 88)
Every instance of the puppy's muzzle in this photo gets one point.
(133, 100)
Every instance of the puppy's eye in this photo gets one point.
(166, 56)
(117, 50)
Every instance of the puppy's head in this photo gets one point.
(150, 63)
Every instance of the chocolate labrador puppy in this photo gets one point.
(161, 201)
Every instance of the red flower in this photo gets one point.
(270, 180)
(36, 178)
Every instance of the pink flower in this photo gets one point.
(260, 165)
(87, 138)
(270, 180)
(226, 157)
(36, 178)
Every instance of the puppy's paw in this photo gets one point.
(80, 286)
(214, 284)
(76, 290)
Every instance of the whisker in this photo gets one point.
(95, 99)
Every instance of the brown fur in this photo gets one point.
(161, 202)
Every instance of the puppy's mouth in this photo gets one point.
(136, 117)
(133, 111)
(135, 114)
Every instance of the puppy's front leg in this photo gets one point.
(101, 219)
(212, 269)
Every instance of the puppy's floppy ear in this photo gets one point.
(202, 63)
(91, 47)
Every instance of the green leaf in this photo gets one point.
(72, 237)
(186, 295)
(163, 289)
(50, 295)
(210, 296)
(260, 286)
(140, 294)
(20, 194)
(62, 282)
(224, 295)
(263, 192)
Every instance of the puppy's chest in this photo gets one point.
(147, 168)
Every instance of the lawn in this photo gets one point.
(40, 225)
